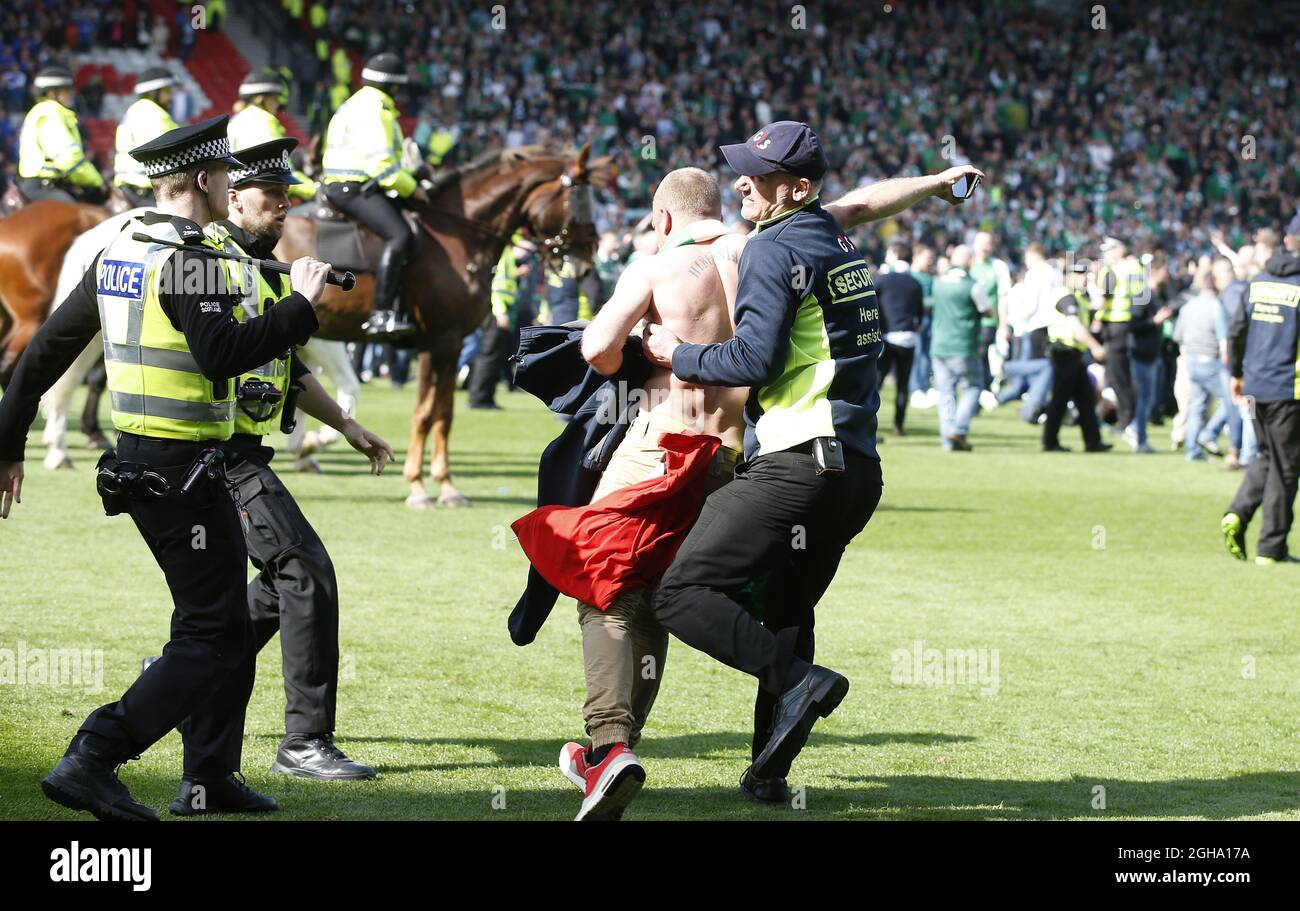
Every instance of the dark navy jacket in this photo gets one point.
(1264, 336)
(551, 367)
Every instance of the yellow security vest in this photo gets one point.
(255, 125)
(154, 383)
(505, 282)
(1129, 284)
(1060, 330)
(364, 142)
(145, 120)
(50, 148)
(256, 295)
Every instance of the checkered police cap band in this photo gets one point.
(370, 75)
(52, 81)
(208, 150)
(275, 165)
(152, 85)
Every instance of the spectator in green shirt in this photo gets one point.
(959, 304)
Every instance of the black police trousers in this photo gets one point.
(782, 523)
(1119, 375)
(1070, 383)
(378, 213)
(294, 593)
(489, 363)
(1271, 478)
(204, 677)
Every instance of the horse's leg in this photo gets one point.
(445, 356)
(96, 383)
(13, 346)
(56, 403)
(421, 421)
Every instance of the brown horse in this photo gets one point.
(472, 213)
(33, 241)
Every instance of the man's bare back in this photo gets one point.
(690, 289)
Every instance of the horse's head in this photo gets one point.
(561, 212)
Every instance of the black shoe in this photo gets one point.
(219, 795)
(1056, 447)
(316, 756)
(815, 696)
(1100, 447)
(86, 779)
(486, 406)
(764, 790)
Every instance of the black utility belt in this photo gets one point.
(828, 452)
(118, 483)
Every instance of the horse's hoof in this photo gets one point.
(453, 501)
(58, 461)
(420, 502)
(307, 465)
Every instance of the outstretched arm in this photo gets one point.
(602, 340)
(889, 197)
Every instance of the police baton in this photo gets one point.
(345, 280)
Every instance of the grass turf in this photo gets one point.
(1132, 654)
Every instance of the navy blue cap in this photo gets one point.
(1293, 226)
(265, 163)
(786, 145)
(182, 147)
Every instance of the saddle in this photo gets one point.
(341, 242)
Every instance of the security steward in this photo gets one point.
(52, 162)
(362, 169)
(295, 591)
(1069, 338)
(807, 341)
(494, 342)
(1119, 283)
(1265, 366)
(174, 349)
(255, 122)
(145, 120)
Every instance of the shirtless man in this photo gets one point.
(689, 288)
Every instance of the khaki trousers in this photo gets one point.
(624, 648)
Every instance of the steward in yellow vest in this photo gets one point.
(295, 591)
(1119, 283)
(1070, 338)
(145, 120)
(174, 349)
(52, 162)
(255, 122)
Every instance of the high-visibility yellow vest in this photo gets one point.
(50, 148)
(256, 295)
(364, 142)
(154, 383)
(145, 120)
(1129, 284)
(341, 66)
(255, 125)
(1061, 329)
(505, 282)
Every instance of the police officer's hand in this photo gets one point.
(503, 320)
(307, 276)
(11, 486)
(371, 445)
(659, 344)
(950, 177)
(1098, 352)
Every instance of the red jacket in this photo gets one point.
(626, 540)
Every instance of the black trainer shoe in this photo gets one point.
(1055, 447)
(219, 795)
(316, 756)
(815, 696)
(86, 779)
(764, 790)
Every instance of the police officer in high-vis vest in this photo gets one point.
(255, 122)
(1069, 338)
(52, 162)
(1119, 283)
(1264, 350)
(362, 169)
(295, 592)
(146, 119)
(175, 349)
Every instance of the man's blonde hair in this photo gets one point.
(690, 191)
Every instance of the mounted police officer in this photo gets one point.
(174, 344)
(254, 122)
(52, 162)
(362, 169)
(145, 120)
(295, 591)
(1069, 337)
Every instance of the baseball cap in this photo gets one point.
(786, 145)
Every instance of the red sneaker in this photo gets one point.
(573, 763)
(611, 785)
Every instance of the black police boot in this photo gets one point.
(218, 795)
(385, 322)
(86, 779)
(764, 790)
(815, 696)
(316, 756)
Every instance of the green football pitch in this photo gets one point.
(1028, 636)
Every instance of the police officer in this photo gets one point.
(255, 122)
(493, 348)
(52, 162)
(1266, 370)
(806, 343)
(173, 348)
(295, 591)
(363, 149)
(1119, 283)
(145, 120)
(1069, 338)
